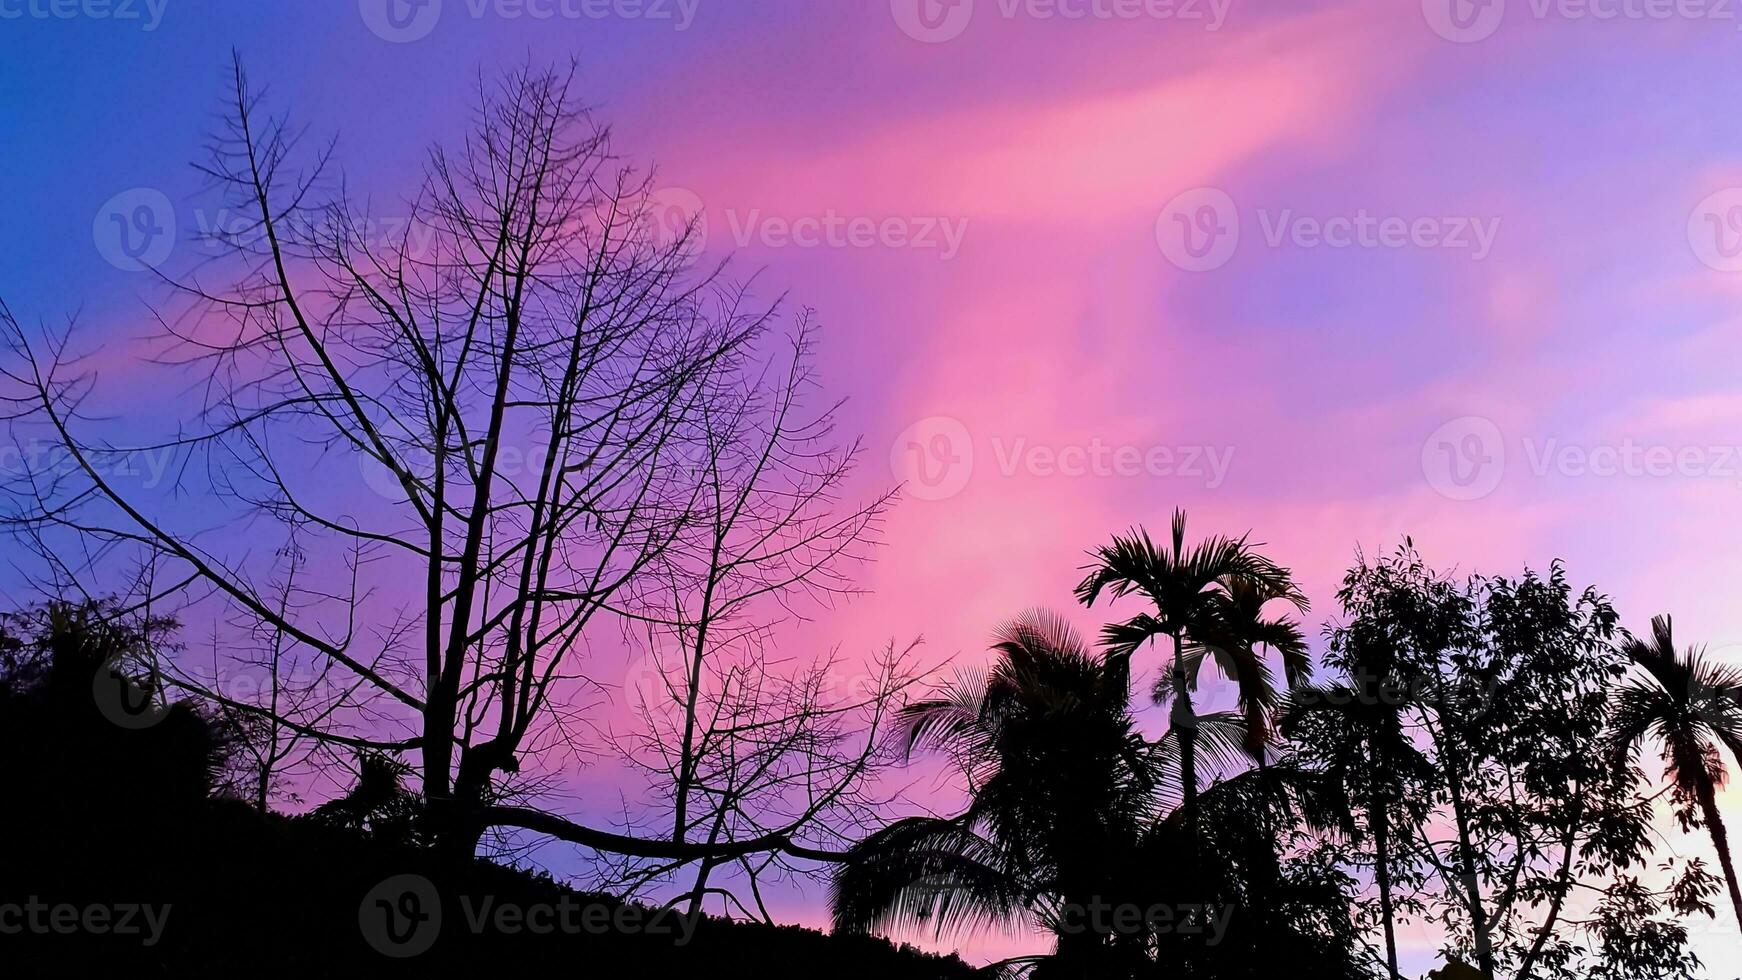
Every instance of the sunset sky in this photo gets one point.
(1331, 272)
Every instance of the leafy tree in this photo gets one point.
(67, 670)
(1354, 731)
(105, 808)
(378, 802)
(1504, 683)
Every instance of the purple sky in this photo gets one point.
(1334, 272)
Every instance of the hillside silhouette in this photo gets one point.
(98, 813)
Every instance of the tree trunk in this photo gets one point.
(1560, 895)
(438, 758)
(1721, 841)
(459, 821)
(1449, 750)
(1380, 824)
(1185, 722)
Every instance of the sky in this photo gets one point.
(1329, 272)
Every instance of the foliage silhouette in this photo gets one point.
(1354, 732)
(106, 814)
(1494, 710)
(1692, 707)
(1201, 594)
(1471, 719)
(1066, 816)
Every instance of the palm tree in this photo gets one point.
(1069, 805)
(1690, 706)
(1060, 781)
(1201, 597)
(1235, 637)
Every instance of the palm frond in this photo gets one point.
(949, 721)
(1683, 702)
(925, 871)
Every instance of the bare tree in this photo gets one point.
(770, 741)
(572, 432)
(734, 734)
(277, 701)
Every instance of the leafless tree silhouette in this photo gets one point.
(573, 430)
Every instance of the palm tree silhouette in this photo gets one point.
(379, 802)
(1691, 706)
(1061, 785)
(1070, 807)
(1235, 637)
(1209, 600)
